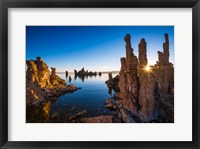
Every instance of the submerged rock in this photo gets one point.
(72, 117)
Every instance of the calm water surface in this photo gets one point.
(90, 97)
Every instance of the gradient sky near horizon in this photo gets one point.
(96, 48)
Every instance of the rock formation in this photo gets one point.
(98, 119)
(129, 84)
(75, 72)
(165, 82)
(41, 85)
(146, 92)
(82, 73)
(113, 83)
(147, 85)
(55, 80)
(66, 73)
(70, 79)
(33, 92)
(165, 71)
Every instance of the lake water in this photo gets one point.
(90, 97)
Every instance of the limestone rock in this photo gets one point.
(145, 93)
(98, 119)
(127, 118)
(40, 85)
(113, 83)
(72, 117)
(55, 79)
(147, 85)
(128, 81)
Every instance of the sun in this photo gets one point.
(147, 68)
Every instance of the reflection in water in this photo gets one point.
(90, 97)
(70, 79)
(83, 77)
(75, 77)
(66, 74)
(46, 109)
(38, 114)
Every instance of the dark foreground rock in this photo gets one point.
(98, 119)
(72, 117)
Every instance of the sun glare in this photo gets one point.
(147, 68)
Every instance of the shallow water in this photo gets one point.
(90, 97)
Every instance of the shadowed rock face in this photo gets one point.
(98, 119)
(128, 77)
(142, 51)
(147, 94)
(113, 83)
(147, 85)
(165, 70)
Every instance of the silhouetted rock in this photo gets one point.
(66, 73)
(75, 72)
(82, 73)
(70, 78)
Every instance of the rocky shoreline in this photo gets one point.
(146, 93)
(43, 87)
(143, 94)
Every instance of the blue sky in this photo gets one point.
(97, 48)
